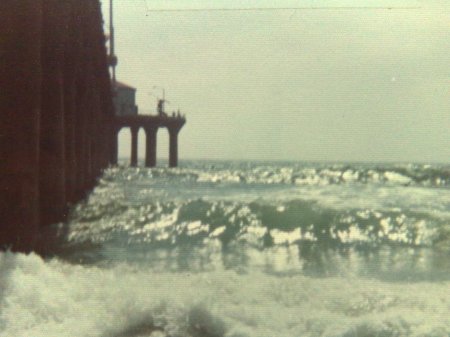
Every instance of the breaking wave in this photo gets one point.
(260, 223)
(53, 298)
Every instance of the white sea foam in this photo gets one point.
(397, 178)
(280, 237)
(53, 298)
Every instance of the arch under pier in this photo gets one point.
(150, 124)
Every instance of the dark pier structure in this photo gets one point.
(150, 124)
(58, 129)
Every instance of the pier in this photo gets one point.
(150, 124)
(58, 127)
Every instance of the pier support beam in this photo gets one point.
(80, 143)
(134, 146)
(173, 146)
(150, 148)
(52, 179)
(114, 145)
(20, 107)
(52, 150)
(55, 112)
(69, 133)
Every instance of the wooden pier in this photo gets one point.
(150, 124)
(58, 129)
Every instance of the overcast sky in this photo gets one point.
(306, 84)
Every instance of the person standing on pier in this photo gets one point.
(161, 107)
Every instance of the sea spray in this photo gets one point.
(54, 298)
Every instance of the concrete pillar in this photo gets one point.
(69, 132)
(103, 110)
(150, 148)
(20, 105)
(90, 113)
(96, 133)
(80, 143)
(81, 87)
(51, 169)
(134, 145)
(173, 146)
(114, 145)
(83, 134)
(89, 183)
(52, 182)
(110, 133)
(70, 104)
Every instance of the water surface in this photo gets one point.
(243, 249)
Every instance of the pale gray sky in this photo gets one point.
(306, 84)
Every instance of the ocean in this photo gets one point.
(242, 249)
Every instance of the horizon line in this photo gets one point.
(247, 9)
(337, 161)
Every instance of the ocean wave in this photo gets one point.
(259, 223)
(135, 216)
(298, 174)
(53, 298)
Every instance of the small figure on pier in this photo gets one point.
(161, 107)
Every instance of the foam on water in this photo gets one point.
(53, 298)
